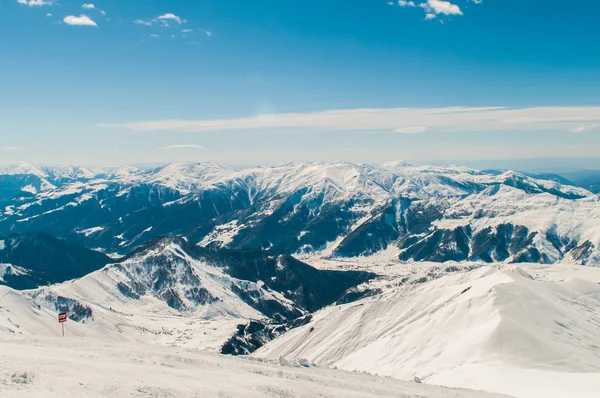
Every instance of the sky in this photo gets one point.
(110, 82)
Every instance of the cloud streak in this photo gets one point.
(399, 120)
(183, 146)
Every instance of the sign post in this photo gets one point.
(62, 318)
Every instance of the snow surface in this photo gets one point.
(528, 331)
(71, 367)
(89, 231)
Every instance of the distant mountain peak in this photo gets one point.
(26, 168)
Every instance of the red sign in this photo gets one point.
(62, 317)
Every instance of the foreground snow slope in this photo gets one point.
(529, 332)
(72, 367)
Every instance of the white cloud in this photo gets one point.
(170, 17)
(404, 3)
(48, 15)
(142, 22)
(206, 32)
(88, 6)
(402, 120)
(155, 36)
(186, 30)
(430, 16)
(184, 146)
(36, 3)
(441, 7)
(81, 20)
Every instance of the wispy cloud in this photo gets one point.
(89, 6)
(206, 32)
(400, 120)
(411, 130)
(81, 20)
(170, 20)
(183, 146)
(163, 20)
(584, 128)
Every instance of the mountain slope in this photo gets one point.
(38, 259)
(445, 323)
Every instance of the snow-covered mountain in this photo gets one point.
(334, 209)
(525, 330)
(170, 288)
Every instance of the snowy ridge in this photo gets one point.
(469, 325)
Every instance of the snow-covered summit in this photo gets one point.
(26, 168)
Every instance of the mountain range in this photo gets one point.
(414, 213)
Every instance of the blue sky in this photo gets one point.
(261, 82)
